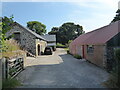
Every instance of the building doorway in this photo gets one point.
(38, 50)
(17, 37)
(83, 51)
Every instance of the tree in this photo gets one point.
(54, 31)
(68, 31)
(5, 25)
(37, 27)
(117, 17)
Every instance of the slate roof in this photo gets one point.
(33, 33)
(98, 36)
(49, 37)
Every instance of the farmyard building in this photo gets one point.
(28, 40)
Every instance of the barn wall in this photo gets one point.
(79, 50)
(112, 45)
(27, 40)
(98, 56)
(42, 44)
(115, 41)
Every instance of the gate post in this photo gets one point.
(0, 74)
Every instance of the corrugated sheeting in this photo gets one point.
(97, 37)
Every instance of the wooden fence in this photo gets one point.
(11, 68)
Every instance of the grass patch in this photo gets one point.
(10, 83)
(11, 49)
(59, 45)
(67, 49)
(77, 56)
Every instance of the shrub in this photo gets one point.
(77, 56)
(11, 49)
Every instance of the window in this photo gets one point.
(90, 48)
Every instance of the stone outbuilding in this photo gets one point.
(28, 40)
(98, 46)
(51, 40)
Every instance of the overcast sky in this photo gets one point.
(91, 14)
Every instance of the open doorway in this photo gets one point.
(83, 51)
(17, 36)
(38, 47)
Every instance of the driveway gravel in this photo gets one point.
(61, 70)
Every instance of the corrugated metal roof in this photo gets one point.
(98, 36)
(35, 34)
(49, 37)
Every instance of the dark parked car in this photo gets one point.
(48, 51)
(53, 48)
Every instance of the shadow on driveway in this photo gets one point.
(72, 73)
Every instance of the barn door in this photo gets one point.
(38, 50)
(83, 51)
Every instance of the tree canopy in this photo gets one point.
(5, 25)
(67, 31)
(37, 27)
(54, 31)
(117, 17)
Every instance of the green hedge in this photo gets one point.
(77, 56)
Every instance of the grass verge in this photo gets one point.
(10, 83)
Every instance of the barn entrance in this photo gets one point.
(17, 36)
(39, 50)
(83, 51)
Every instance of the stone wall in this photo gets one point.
(111, 60)
(27, 40)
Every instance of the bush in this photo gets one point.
(10, 83)
(77, 56)
(11, 49)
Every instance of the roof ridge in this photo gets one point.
(35, 34)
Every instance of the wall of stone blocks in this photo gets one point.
(27, 40)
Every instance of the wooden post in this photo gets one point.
(3, 68)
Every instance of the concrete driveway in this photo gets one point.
(61, 70)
